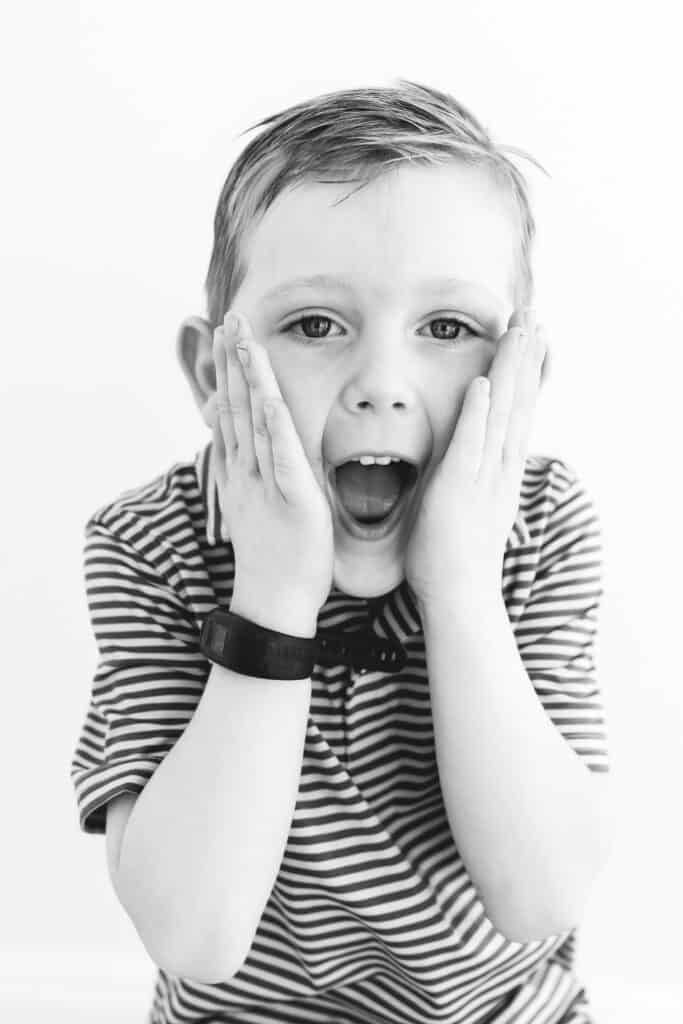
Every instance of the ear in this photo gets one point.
(194, 348)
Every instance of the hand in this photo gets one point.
(471, 500)
(278, 515)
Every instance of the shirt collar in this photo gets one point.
(394, 614)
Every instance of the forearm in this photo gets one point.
(205, 840)
(527, 816)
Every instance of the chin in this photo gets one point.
(367, 577)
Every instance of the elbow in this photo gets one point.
(530, 926)
(213, 959)
(521, 914)
(197, 970)
(206, 965)
(210, 961)
(537, 917)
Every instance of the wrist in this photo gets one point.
(473, 598)
(291, 615)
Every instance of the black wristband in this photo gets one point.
(252, 650)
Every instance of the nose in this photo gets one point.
(378, 403)
(378, 394)
(381, 379)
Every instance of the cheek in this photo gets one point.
(455, 377)
(476, 364)
(480, 363)
(447, 412)
(309, 417)
(449, 405)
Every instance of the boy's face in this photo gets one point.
(381, 371)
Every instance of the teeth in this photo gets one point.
(370, 460)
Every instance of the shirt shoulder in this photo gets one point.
(175, 489)
(163, 523)
(557, 527)
(553, 496)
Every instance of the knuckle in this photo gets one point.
(242, 350)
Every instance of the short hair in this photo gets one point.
(349, 136)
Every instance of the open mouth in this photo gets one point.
(366, 512)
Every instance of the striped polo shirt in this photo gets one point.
(373, 918)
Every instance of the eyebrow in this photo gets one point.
(438, 285)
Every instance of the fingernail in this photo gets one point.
(242, 354)
(232, 323)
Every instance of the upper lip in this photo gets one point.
(380, 452)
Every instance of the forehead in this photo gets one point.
(411, 224)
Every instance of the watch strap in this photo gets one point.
(237, 643)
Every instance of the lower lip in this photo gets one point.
(378, 530)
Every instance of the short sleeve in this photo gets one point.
(149, 678)
(557, 632)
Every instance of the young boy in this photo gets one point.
(345, 737)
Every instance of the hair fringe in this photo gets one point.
(362, 131)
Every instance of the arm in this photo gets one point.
(206, 836)
(533, 824)
(217, 766)
(531, 821)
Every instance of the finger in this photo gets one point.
(463, 457)
(281, 458)
(219, 467)
(503, 376)
(546, 365)
(225, 422)
(219, 456)
(262, 384)
(291, 469)
(240, 403)
(522, 414)
(524, 317)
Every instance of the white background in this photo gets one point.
(119, 126)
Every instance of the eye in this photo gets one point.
(316, 318)
(445, 334)
(454, 323)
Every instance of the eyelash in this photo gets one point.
(323, 316)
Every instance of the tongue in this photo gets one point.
(368, 493)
